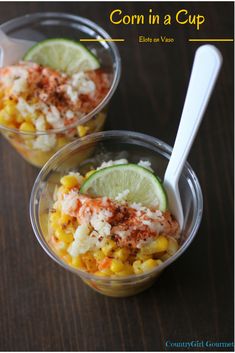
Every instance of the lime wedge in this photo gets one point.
(63, 55)
(142, 185)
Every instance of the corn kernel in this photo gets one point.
(54, 219)
(158, 262)
(61, 141)
(108, 247)
(161, 244)
(99, 255)
(4, 117)
(173, 246)
(82, 130)
(63, 190)
(55, 216)
(121, 254)
(54, 223)
(20, 119)
(77, 262)
(127, 271)
(33, 100)
(116, 265)
(89, 262)
(65, 219)
(61, 245)
(143, 254)
(27, 127)
(156, 246)
(137, 267)
(105, 273)
(10, 109)
(165, 257)
(62, 252)
(2, 120)
(88, 174)
(67, 258)
(27, 118)
(69, 181)
(7, 92)
(99, 273)
(71, 227)
(149, 264)
(66, 237)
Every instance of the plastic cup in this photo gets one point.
(91, 151)
(37, 27)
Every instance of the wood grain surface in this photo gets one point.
(43, 307)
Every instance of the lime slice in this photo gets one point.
(63, 55)
(142, 185)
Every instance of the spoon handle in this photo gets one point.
(206, 66)
(3, 39)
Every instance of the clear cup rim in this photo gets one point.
(112, 89)
(98, 136)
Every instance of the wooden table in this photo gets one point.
(43, 307)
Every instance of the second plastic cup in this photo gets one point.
(40, 26)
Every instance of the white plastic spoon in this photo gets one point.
(12, 50)
(206, 66)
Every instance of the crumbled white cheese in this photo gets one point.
(19, 86)
(123, 233)
(145, 164)
(51, 114)
(53, 117)
(79, 84)
(6, 80)
(69, 114)
(143, 243)
(122, 195)
(42, 107)
(88, 87)
(16, 78)
(77, 78)
(157, 214)
(82, 83)
(137, 206)
(69, 203)
(24, 108)
(43, 96)
(104, 200)
(81, 231)
(40, 123)
(45, 142)
(99, 222)
(71, 93)
(156, 227)
(111, 163)
(83, 242)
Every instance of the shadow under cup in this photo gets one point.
(88, 153)
(40, 26)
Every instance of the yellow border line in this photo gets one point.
(102, 40)
(212, 40)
